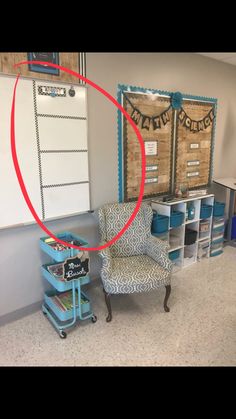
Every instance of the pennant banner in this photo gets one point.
(193, 125)
(156, 122)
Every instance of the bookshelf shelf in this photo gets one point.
(178, 237)
(65, 304)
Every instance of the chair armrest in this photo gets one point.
(158, 250)
(105, 254)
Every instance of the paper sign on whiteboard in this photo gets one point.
(150, 148)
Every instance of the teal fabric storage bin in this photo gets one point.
(57, 283)
(219, 209)
(60, 256)
(66, 315)
(160, 223)
(174, 255)
(206, 211)
(176, 218)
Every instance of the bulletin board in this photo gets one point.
(194, 143)
(153, 116)
(178, 132)
(52, 150)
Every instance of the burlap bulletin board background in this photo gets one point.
(158, 166)
(194, 139)
(182, 126)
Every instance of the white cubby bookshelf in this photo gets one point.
(188, 254)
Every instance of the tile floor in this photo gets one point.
(199, 330)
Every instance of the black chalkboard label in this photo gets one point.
(76, 267)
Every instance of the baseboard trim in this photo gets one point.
(21, 312)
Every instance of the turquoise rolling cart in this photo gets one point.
(81, 308)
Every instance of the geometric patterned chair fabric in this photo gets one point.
(138, 261)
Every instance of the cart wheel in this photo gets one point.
(62, 334)
(94, 319)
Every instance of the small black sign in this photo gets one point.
(76, 267)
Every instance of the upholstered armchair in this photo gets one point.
(138, 261)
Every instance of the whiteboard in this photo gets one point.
(52, 149)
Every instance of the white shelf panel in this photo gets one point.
(175, 248)
(192, 221)
(177, 201)
(204, 238)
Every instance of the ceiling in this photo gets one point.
(226, 57)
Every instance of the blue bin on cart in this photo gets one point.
(219, 209)
(160, 223)
(60, 256)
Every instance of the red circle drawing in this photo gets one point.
(18, 171)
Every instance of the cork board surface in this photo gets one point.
(66, 59)
(193, 147)
(158, 166)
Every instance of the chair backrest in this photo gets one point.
(113, 217)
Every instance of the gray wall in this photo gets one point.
(20, 279)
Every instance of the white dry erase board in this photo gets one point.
(52, 150)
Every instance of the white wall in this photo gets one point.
(21, 283)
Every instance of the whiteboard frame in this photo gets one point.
(82, 86)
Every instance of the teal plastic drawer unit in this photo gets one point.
(61, 255)
(176, 218)
(68, 314)
(219, 209)
(217, 230)
(59, 284)
(160, 223)
(216, 252)
(174, 255)
(206, 211)
(217, 241)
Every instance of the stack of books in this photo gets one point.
(64, 300)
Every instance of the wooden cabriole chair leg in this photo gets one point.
(108, 303)
(168, 291)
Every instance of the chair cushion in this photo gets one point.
(135, 274)
(133, 241)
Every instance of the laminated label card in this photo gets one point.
(150, 148)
